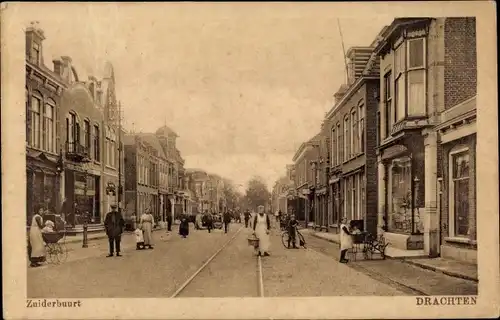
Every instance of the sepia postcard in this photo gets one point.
(260, 160)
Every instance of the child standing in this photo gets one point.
(139, 238)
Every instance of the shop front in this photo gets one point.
(335, 213)
(42, 184)
(457, 187)
(82, 189)
(403, 164)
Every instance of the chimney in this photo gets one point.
(358, 58)
(340, 93)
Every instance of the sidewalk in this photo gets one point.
(448, 267)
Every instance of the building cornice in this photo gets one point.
(47, 74)
(349, 93)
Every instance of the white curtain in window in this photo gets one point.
(400, 103)
(416, 93)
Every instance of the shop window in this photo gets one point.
(400, 195)
(459, 196)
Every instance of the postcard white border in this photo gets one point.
(14, 193)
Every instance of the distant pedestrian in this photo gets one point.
(184, 226)
(114, 224)
(247, 217)
(227, 220)
(261, 229)
(147, 222)
(292, 232)
(345, 240)
(209, 221)
(169, 222)
(36, 245)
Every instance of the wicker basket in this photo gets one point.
(253, 242)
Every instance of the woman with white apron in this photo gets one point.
(37, 254)
(345, 240)
(261, 227)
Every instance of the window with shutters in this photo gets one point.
(388, 110)
(354, 134)
(97, 144)
(346, 138)
(334, 147)
(361, 128)
(28, 114)
(339, 144)
(87, 134)
(36, 130)
(49, 126)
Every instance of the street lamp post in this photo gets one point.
(85, 214)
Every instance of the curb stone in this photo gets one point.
(439, 270)
(417, 264)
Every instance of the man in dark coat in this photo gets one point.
(247, 217)
(169, 221)
(114, 225)
(227, 220)
(209, 221)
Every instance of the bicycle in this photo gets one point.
(285, 236)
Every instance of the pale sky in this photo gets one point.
(242, 84)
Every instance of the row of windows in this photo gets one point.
(91, 140)
(41, 127)
(352, 143)
(407, 83)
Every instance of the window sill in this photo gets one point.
(110, 167)
(460, 240)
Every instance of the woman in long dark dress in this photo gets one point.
(184, 227)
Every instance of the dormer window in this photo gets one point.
(35, 53)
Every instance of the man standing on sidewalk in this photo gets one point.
(227, 220)
(169, 222)
(114, 224)
(247, 217)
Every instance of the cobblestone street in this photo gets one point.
(233, 272)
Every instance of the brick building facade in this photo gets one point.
(427, 146)
(352, 129)
(304, 178)
(43, 91)
(456, 137)
(72, 137)
(411, 175)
